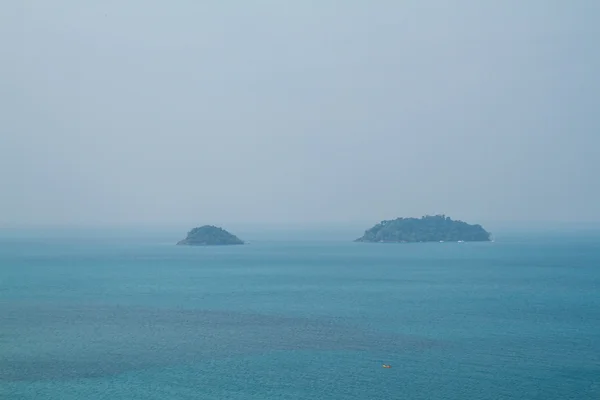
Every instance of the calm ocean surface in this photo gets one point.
(130, 318)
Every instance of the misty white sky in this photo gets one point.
(305, 112)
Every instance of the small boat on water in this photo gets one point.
(386, 366)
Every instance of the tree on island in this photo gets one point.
(209, 235)
(425, 229)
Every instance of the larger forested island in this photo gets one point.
(437, 228)
(209, 235)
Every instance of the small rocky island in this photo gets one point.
(209, 235)
(437, 228)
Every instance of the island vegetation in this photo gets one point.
(209, 235)
(437, 228)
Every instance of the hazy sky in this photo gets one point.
(192, 112)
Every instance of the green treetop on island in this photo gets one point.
(209, 235)
(425, 229)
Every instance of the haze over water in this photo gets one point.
(298, 125)
(308, 113)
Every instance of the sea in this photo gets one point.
(124, 316)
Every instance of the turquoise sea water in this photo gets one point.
(131, 318)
